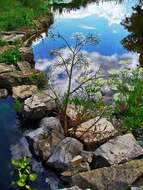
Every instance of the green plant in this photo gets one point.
(129, 99)
(24, 173)
(11, 56)
(18, 105)
(3, 42)
(76, 60)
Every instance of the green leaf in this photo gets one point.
(15, 163)
(20, 183)
(33, 177)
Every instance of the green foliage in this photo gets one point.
(24, 173)
(18, 105)
(20, 13)
(129, 99)
(3, 42)
(10, 56)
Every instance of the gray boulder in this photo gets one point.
(119, 150)
(117, 177)
(63, 154)
(44, 139)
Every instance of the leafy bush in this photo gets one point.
(10, 56)
(24, 174)
(129, 99)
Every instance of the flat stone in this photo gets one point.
(44, 139)
(12, 36)
(117, 177)
(24, 91)
(5, 68)
(24, 66)
(39, 104)
(93, 134)
(120, 149)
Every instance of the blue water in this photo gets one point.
(9, 134)
(103, 20)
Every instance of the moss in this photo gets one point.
(18, 105)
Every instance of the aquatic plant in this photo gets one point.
(18, 105)
(24, 174)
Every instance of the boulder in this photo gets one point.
(63, 154)
(120, 149)
(44, 139)
(94, 132)
(3, 93)
(24, 91)
(117, 177)
(39, 105)
(72, 188)
(9, 77)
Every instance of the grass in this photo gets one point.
(20, 13)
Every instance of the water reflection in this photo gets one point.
(134, 25)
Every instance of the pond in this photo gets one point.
(119, 45)
(108, 21)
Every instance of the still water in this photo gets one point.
(118, 27)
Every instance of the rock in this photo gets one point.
(24, 91)
(10, 77)
(44, 139)
(72, 188)
(117, 177)
(118, 150)
(27, 55)
(12, 36)
(24, 66)
(64, 152)
(97, 134)
(39, 105)
(5, 68)
(136, 188)
(3, 93)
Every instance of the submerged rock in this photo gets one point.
(93, 133)
(120, 149)
(72, 188)
(117, 177)
(3, 93)
(24, 91)
(63, 154)
(44, 139)
(39, 105)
